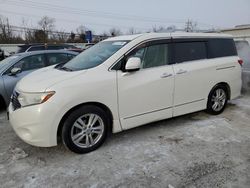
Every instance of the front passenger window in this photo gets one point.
(155, 56)
(152, 56)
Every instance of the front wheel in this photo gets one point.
(217, 100)
(85, 129)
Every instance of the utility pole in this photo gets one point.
(188, 26)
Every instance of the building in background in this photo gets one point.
(239, 32)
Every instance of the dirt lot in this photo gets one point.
(195, 150)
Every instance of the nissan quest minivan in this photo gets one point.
(124, 82)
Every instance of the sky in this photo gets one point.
(142, 15)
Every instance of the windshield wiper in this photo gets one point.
(65, 69)
(58, 66)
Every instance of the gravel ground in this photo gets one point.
(195, 150)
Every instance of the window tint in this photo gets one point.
(139, 52)
(221, 48)
(31, 62)
(56, 58)
(152, 56)
(189, 51)
(155, 56)
(36, 48)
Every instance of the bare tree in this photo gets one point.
(131, 31)
(29, 34)
(171, 28)
(158, 29)
(115, 32)
(6, 33)
(81, 29)
(59, 36)
(46, 24)
(81, 33)
(72, 36)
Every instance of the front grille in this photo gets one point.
(14, 100)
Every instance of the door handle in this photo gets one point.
(181, 71)
(165, 75)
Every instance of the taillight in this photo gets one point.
(240, 61)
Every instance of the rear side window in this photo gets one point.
(221, 48)
(189, 51)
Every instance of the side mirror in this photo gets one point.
(133, 64)
(15, 71)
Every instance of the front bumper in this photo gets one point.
(34, 124)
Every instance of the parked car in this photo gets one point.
(15, 67)
(125, 82)
(37, 47)
(2, 55)
(243, 49)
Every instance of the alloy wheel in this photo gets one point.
(87, 130)
(218, 99)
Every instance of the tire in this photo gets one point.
(85, 129)
(217, 100)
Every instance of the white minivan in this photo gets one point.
(124, 82)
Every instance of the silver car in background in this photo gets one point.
(243, 49)
(15, 67)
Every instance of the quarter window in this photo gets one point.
(221, 48)
(189, 51)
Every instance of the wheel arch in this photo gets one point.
(97, 104)
(224, 84)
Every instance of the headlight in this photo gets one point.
(28, 99)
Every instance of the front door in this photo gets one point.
(146, 95)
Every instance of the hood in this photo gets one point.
(40, 80)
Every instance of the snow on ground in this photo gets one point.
(195, 150)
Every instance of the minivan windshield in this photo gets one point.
(94, 56)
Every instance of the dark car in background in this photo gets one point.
(2, 56)
(243, 49)
(15, 67)
(37, 47)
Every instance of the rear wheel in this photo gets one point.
(85, 129)
(217, 100)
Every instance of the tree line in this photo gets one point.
(45, 32)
